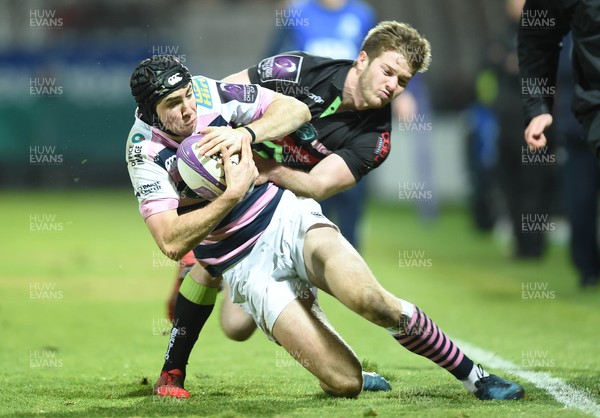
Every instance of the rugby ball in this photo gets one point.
(204, 175)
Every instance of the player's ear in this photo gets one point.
(362, 61)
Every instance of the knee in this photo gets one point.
(344, 386)
(237, 325)
(237, 330)
(237, 334)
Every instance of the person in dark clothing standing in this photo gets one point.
(527, 185)
(498, 155)
(544, 23)
(581, 177)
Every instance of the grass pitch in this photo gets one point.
(83, 318)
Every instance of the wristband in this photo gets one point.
(252, 134)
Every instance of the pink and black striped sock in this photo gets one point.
(419, 334)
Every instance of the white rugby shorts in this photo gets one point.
(273, 274)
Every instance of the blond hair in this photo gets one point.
(390, 35)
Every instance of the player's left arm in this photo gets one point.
(329, 177)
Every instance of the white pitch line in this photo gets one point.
(561, 391)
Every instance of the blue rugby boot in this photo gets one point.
(374, 382)
(492, 387)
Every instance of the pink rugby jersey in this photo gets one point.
(151, 162)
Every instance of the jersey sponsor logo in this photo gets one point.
(146, 189)
(137, 138)
(280, 68)
(134, 155)
(306, 132)
(315, 98)
(318, 146)
(243, 93)
(202, 92)
(384, 144)
(288, 152)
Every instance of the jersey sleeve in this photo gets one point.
(152, 185)
(539, 52)
(154, 189)
(366, 152)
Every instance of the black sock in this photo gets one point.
(188, 320)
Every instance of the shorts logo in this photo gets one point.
(243, 93)
(280, 68)
(317, 214)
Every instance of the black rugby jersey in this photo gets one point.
(360, 138)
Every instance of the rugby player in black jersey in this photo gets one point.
(347, 137)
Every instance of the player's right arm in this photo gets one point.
(176, 235)
(329, 177)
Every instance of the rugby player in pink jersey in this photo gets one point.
(171, 106)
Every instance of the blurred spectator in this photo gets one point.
(543, 27)
(328, 28)
(336, 29)
(482, 152)
(581, 177)
(527, 182)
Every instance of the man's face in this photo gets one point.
(177, 111)
(382, 79)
